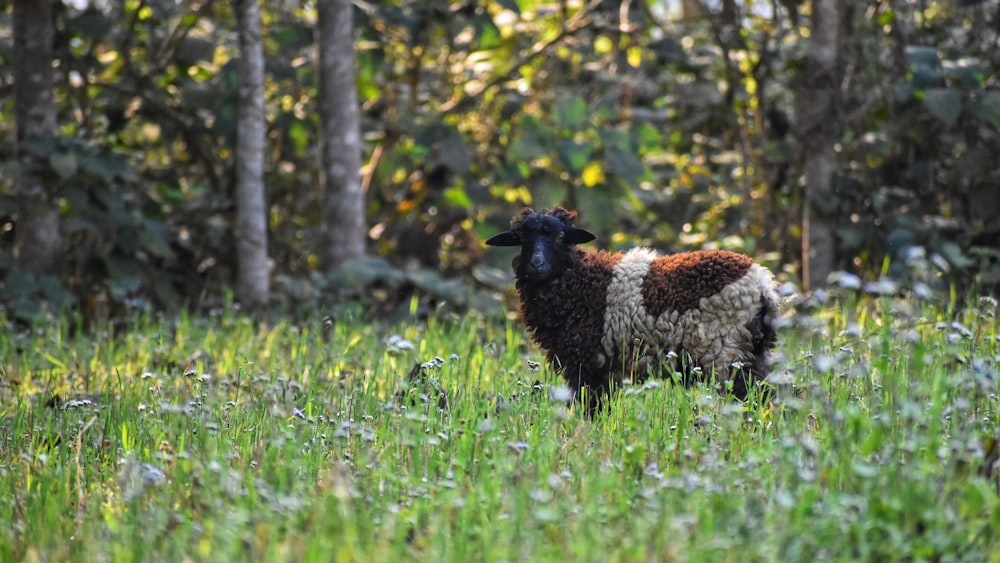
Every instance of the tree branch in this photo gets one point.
(578, 22)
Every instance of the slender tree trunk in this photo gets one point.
(340, 137)
(38, 240)
(253, 279)
(819, 130)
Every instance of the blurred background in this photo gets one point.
(822, 136)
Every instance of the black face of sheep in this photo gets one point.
(544, 239)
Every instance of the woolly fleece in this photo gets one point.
(712, 325)
(602, 316)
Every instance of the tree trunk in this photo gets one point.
(38, 241)
(253, 280)
(340, 136)
(819, 130)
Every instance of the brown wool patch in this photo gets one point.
(678, 282)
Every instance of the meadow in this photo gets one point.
(343, 439)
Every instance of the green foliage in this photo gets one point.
(922, 143)
(223, 438)
(678, 132)
(120, 245)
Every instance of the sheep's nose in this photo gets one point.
(538, 268)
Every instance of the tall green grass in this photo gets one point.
(217, 438)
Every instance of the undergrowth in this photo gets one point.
(219, 437)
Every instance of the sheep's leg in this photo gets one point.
(748, 375)
(590, 390)
(742, 379)
(763, 338)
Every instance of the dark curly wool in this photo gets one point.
(678, 282)
(764, 339)
(566, 316)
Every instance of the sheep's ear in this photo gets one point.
(506, 238)
(575, 235)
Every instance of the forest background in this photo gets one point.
(816, 136)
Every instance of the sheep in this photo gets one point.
(603, 317)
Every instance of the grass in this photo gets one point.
(207, 439)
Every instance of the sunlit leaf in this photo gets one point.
(487, 33)
(368, 90)
(634, 56)
(170, 193)
(603, 45)
(300, 135)
(648, 136)
(370, 62)
(519, 194)
(593, 174)
(456, 196)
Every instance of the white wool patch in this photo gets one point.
(714, 334)
(624, 301)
